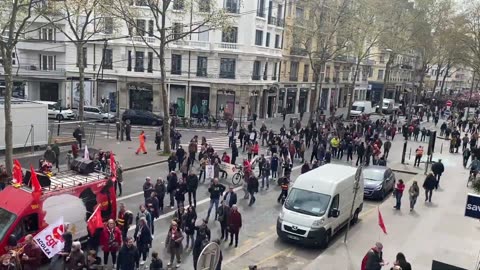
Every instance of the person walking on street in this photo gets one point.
(172, 184)
(386, 148)
(180, 193)
(189, 219)
(399, 188)
(429, 184)
(172, 162)
(111, 241)
(32, 254)
(418, 156)
(124, 220)
(413, 193)
(158, 139)
(265, 171)
(438, 169)
(119, 182)
(156, 263)
(201, 240)
(192, 185)
(173, 243)
(76, 258)
(128, 257)
(153, 208)
(360, 153)
(230, 197)
(147, 188)
(374, 258)
(77, 134)
(160, 191)
(128, 131)
(223, 215)
(252, 188)
(234, 224)
(56, 150)
(143, 238)
(216, 190)
(141, 140)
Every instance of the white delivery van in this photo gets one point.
(388, 106)
(360, 108)
(319, 204)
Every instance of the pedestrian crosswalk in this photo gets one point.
(218, 143)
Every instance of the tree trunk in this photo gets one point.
(447, 69)
(351, 90)
(386, 79)
(313, 99)
(163, 87)
(439, 67)
(81, 81)
(420, 83)
(7, 67)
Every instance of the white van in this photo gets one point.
(56, 111)
(360, 108)
(319, 204)
(388, 106)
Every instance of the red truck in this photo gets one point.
(69, 194)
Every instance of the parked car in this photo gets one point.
(378, 181)
(141, 117)
(97, 113)
(56, 111)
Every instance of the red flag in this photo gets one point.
(380, 222)
(113, 167)
(36, 187)
(95, 221)
(17, 172)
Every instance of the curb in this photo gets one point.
(144, 165)
(404, 171)
(202, 130)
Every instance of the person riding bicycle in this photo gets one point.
(283, 182)
(474, 167)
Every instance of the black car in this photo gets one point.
(378, 182)
(141, 117)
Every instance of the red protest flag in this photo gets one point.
(36, 187)
(95, 221)
(380, 222)
(113, 167)
(17, 172)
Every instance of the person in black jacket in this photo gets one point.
(438, 169)
(201, 240)
(429, 185)
(180, 193)
(223, 213)
(156, 263)
(375, 257)
(128, 257)
(234, 152)
(401, 261)
(192, 185)
(216, 190)
(252, 187)
(172, 184)
(230, 197)
(160, 190)
(360, 153)
(143, 237)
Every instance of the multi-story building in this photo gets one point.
(459, 78)
(213, 71)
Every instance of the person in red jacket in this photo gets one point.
(111, 241)
(255, 149)
(32, 255)
(400, 187)
(234, 224)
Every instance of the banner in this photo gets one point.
(50, 239)
(228, 168)
(209, 172)
(472, 207)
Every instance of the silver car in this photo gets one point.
(96, 113)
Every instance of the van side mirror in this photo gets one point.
(334, 212)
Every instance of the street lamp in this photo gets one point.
(241, 113)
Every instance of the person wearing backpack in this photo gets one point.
(373, 259)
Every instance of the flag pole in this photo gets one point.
(94, 212)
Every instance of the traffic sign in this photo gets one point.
(209, 257)
(449, 103)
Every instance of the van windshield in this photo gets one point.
(358, 108)
(6, 220)
(307, 202)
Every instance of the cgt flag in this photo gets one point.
(113, 167)
(95, 221)
(36, 187)
(50, 239)
(17, 172)
(380, 221)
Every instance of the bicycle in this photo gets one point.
(238, 176)
(472, 178)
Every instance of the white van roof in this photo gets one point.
(324, 178)
(46, 102)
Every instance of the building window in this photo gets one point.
(203, 33)
(231, 6)
(107, 59)
(202, 62)
(380, 74)
(261, 8)
(277, 41)
(370, 72)
(48, 62)
(84, 57)
(150, 28)
(265, 71)
(230, 35)
(141, 3)
(327, 74)
(176, 64)
(274, 73)
(267, 40)
(382, 59)
(306, 72)
(258, 37)
(204, 6)
(150, 62)
(139, 60)
(178, 5)
(256, 70)
(47, 34)
(299, 13)
(129, 61)
(177, 30)
(227, 68)
(108, 25)
(293, 71)
(140, 27)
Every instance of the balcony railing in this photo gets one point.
(193, 44)
(227, 46)
(280, 22)
(260, 13)
(298, 51)
(141, 39)
(227, 75)
(256, 77)
(272, 20)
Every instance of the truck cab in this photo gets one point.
(68, 194)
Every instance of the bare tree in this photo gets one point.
(14, 18)
(204, 16)
(84, 19)
(471, 39)
(318, 35)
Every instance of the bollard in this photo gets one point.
(441, 148)
(404, 152)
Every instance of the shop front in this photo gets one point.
(303, 100)
(253, 103)
(140, 96)
(107, 94)
(269, 100)
(291, 100)
(48, 92)
(281, 100)
(324, 99)
(177, 100)
(225, 108)
(200, 97)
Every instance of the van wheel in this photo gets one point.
(355, 217)
(326, 240)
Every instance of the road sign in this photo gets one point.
(472, 207)
(209, 257)
(449, 103)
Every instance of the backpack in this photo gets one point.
(364, 261)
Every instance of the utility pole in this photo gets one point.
(356, 187)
